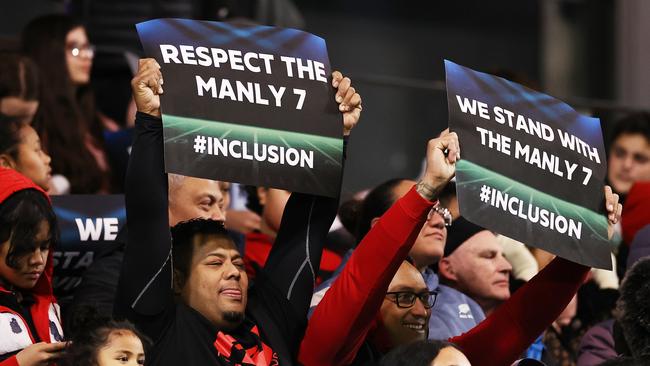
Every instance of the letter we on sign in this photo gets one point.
(247, 103)
(533, 169)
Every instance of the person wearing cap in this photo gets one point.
(474, 264)
(457, 311)
(30, 323)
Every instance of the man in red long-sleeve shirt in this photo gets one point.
(347, 316)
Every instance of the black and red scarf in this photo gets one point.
(248, 350)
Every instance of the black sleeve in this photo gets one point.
(144, 293)
(295, 256)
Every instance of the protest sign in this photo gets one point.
(532, 168)
(88, 224)
(247, 103)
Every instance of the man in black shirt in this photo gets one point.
(192, 298)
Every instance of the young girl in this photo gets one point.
(30, 325)
(100, 341)
(20, 149)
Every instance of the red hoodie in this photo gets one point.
(15, 332)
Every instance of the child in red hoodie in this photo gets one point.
(30, 324)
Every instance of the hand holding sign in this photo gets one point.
(147, 87)
(349, 101)
(442, 154)
(614, 210)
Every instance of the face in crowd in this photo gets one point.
(122, 348)
(430, 243)
(79, 56)
(191, 198)
(629, 161)
(28, 158)
(405, 317)
(217, 284)
(479, 269)
(30, 266)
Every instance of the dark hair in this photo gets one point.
(183, 235)
(349, 212)
(633, 306)
(9, 135)
(447, 194)
(20, 217)
(90, 332)
(66, 114)
(636, 123)
(376, 203)
(419, 353)
(252, 200)
(18, 77)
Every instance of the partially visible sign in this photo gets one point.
(87, 223)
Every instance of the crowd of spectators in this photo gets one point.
(211, 272)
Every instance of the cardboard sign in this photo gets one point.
(88, 223)
(531, 167)
(247, 103)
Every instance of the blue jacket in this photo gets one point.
(453, 314)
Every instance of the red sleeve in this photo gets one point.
(511, 328)
(341, 321)
(11, 361)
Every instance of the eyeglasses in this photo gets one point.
(442, 211)
(87, 50)
(406, 299)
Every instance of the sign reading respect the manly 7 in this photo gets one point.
(532, 168)
(247, 103)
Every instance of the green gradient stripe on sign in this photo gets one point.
(330, 147)
(477, 174)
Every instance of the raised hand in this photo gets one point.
(147, 87)
(442, 154)
(349, 101)
(614, 210)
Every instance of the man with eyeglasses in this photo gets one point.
(407, 306)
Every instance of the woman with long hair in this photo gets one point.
(67, 121)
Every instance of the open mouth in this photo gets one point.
(417, 327)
